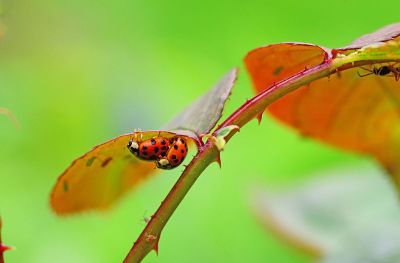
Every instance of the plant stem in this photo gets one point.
(148, 239)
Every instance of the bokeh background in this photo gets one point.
(79, 72)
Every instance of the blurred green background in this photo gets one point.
(77, 73)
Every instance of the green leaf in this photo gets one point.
(352, 217)
(203, 114)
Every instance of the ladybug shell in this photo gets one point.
(152, 149)
(175, 155)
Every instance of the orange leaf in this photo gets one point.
(98, 178)
(101, 176)
(349, 110)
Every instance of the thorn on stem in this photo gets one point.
(338, 74)
(151, 238)
(5, 248)
(259, 118)
(218, 160)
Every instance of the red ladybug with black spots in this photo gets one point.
(149, 150)
(175, 155)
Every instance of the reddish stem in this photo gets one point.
(208, 153)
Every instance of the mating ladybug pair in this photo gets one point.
(167, 153)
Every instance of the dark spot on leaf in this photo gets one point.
(173, 156)
(66, 187)
(90, 161)
(153, 142)
(176, 147)
(278, 70)
(156, 149)
(106, 161)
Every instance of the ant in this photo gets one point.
(383, 71)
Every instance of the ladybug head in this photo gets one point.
(133, 147)
(163, 164)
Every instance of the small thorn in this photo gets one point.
(259, 118)
(156, 246)
(151, 238)
(218, 160)
(5, 248)
(338, 74)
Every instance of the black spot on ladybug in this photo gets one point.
(163, 154)
(144, 153)
(176, 147)
(153, 142)
(144, 147)
(182, 151)
(156, 149)
(163, 142)
(173, 156)
(106, 162)
(164, 148)
(153, 157)
(182, 141)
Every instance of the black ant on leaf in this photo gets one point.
(386, 70)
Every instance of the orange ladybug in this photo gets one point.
(176, 154)
(149, 150)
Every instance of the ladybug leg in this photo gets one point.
(162, 163)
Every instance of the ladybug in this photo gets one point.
(176, 154)
(149, 150)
